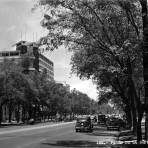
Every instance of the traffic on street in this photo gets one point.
(49, 136)
(74, 73)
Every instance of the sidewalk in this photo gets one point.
(114, 137)
(125, 135)
(102, 131)
(105, 137)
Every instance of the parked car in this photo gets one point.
(114, 123)
(84, 125)
(31, 121)
(101, 119)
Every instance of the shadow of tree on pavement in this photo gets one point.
(90, 144)
(77, 144)
(131, 146)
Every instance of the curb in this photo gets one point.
(126, 135)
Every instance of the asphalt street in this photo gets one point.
(60, 135)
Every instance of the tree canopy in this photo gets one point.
(105, 37)
(32, 95)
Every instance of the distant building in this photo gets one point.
(37, 60)
(63, 83)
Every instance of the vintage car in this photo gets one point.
(101, 119)
(114, 123)
(84, 125)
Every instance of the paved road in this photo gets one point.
(60, 135)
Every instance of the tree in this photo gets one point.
(81, 103)
(2, 94)
(113, 98)
(145, 56)
(12, 86)
(105, 37)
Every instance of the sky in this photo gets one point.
(18, 22)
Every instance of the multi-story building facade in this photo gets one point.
(46, 64)
(37, 61)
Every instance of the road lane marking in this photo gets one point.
(33, 128)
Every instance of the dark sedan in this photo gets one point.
(83, 125)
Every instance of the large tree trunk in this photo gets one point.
(1, 114)
(139, 129)
(145, 58)
(134, 120)
(131, 96)
(128, 115)
(18, 113)
(10, 115)
(146, 126)
(30, 112)
(23, 113)
(10, 111)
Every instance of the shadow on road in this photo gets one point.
(131, 146)
(90, 144)
(76, 144)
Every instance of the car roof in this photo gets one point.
(81, 119)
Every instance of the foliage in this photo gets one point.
(34, 96)
(101, 34)
(105, 38)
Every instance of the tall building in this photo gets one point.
(30, 51)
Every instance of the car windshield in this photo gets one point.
(82, 123)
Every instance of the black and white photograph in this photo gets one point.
(73, 73)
